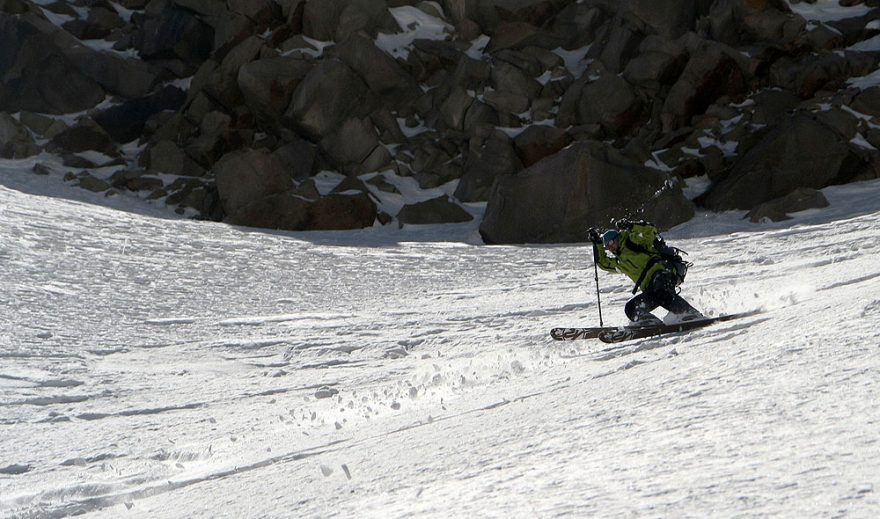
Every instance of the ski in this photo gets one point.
(571, 334)
(613, 334)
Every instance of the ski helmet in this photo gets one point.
(610, 236)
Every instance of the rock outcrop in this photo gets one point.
(585, 185)
(228, 109)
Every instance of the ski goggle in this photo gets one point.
(610, 237)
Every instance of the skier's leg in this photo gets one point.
(639, 308)
(664, 285)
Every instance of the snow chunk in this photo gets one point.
(869, 45)
(326, 181)
(417, 25)
(477, 47)
(865, 82)
(861, 142)
(15, 470)
(574, 60)
(326, 392)
(696, 186)
(828, 10)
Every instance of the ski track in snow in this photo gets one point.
(162, 367)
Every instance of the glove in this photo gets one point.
(594, 236)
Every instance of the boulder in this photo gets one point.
(351, 143)
(459, 10)
(518, 35)
(167, 157)
(800, 199)
(222, 83)
(98, 24)
(369, 16)
(379, 182)
(659, 62)
(534, 11)
(435, 210)
(800, 152)
(41, 169)
(136, 180)
(230, 29)
(386, 123)
(828, 70)
(537, 142)
(455, 107)
(173, 33)
(214, 139)
(567, 114)
(329, 94)
(92, 183)
(823, 37)
(341, 212)
(610, 102)
(867, 102)
(509, 79)
(380, 158)
(668, 18)
(307, 189)
(712, 71)
(842, 121)
(245, 177)
(506, 103)
(284, 211)
(577, 24)
(349, 186)
(16, 141)
(258, 11)
(736, 22)
(209, 8)
(71, 160)
(336, 20)
(772, 106)
(585, 185)
(194, 194)
(487, 160)
(379, 71)
(470, 74)
(528, 62)
(298, 157)
(125, 122)
(32, 66)
(85, 136)
(128, 78)
(321, 17)
(621, 40)
(37, 123)
(268, 84)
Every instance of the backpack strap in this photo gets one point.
(651, 263)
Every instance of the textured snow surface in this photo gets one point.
(828, 10)
(159, 367)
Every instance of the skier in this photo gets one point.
(657, 269)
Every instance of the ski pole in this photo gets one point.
(596, 277)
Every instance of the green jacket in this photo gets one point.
(630, 258)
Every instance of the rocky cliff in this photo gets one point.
(560, 114)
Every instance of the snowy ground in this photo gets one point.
(152, 366)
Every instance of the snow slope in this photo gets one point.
(152, 366)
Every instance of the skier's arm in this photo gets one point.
(604, 262)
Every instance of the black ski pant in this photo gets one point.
(660, 292)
